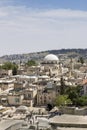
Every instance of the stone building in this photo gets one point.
(29, 96)
(48, 94)
(51, 65)
(15, 99)
(6, 84)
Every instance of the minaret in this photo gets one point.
(71, 65)
(60, 68)
(71, 68)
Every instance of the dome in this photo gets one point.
(22, 108)
(51, 57)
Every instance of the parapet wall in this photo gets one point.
(74, 110)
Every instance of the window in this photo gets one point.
(29, 95)
(17, 100)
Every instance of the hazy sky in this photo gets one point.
(36, 25)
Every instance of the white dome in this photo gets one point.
(51, 57)
(22, 108)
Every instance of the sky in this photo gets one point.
(37, 25)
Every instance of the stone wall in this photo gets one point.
(74, 110)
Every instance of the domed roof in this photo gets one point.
(22, 108)
(51, 57)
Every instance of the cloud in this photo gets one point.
(25, 30)
(63, 13)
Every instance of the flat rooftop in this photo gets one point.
(69, 121)
(59, 128)
(4, 124)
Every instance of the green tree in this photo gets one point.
(81, 101)
(62, 100)
(10, 66)
(81, 60)
(73, 93)
(31, 63)
(14, 70)
(7, 66)
(62, 86)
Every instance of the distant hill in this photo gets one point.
(71, 53)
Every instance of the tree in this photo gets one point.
(74, 93)
(10, 66)
(81, 60)
(31, 63)
(14, 70)
(62, 87)
(7, 66)
(62, 100)
(81, 101)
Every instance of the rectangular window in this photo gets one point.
(17, 100)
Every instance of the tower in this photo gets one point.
(71, 67)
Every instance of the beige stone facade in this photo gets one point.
(29, 96)
(15, 99)
(44, 98)
(6, 84)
